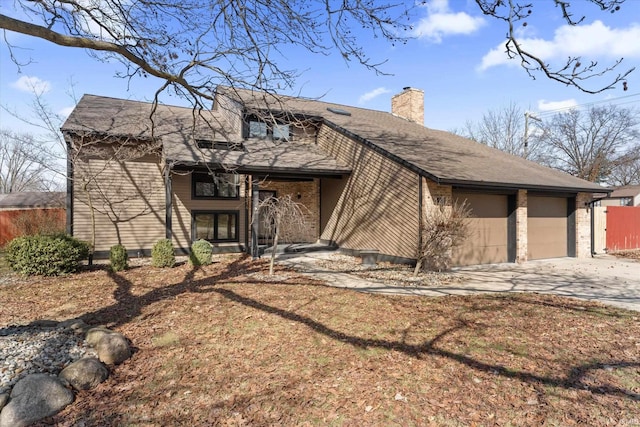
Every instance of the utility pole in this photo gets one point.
(527, 116)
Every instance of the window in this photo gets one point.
(215, 226)
(257, 129)
(275, 129)
(281, 132)
(626, 201)
(219, 145)
(218, 186)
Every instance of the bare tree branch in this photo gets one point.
(574, 72)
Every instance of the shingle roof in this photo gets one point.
(33, 199)
(442, 156)
(626, 191)
(175, 127)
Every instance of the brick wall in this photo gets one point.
(521, 226)
(309, 192)
(583, 226)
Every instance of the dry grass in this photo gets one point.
(221, 346)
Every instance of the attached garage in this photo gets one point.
(489, 237)
(549, 227)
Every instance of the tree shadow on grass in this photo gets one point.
(128, 306)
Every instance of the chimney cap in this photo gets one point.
(407, 88)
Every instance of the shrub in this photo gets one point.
(118, 258)
(162, 254)
(444, 227)
(48, 255)
(200, 253)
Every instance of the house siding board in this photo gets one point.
(378, 208)
(128, 200)
(184, 204)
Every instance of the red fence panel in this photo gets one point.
(19, 222)
(623, 228)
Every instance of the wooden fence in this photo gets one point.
(616, 228)
(19, 222)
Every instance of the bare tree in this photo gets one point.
(504, 129)
(283, 219)
(591, 144)
(22, 164)
(195, 45)
(627, 169)
(444, 227)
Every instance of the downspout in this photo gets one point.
(255, 201)
(593, 228)
(420, 219)
(69, 198)
(168, 194)
(247, 248)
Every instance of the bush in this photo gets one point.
(48, 255)
(200, 253)
(118, 258)
(162, 254)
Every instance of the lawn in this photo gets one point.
(226, 345)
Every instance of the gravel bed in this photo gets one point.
(38, 348)
(387, 273)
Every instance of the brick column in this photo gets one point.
(521, 226)
(583, 225)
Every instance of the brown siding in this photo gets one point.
(183, 204)
(128, 200)
(378, 208)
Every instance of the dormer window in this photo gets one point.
(257, 129)
(281, 132)
(264, 129)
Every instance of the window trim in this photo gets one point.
(194, 196)
(215, 214)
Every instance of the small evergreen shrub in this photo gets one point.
(47, 255)
(162, 254)
(200, 253)
(118, 258)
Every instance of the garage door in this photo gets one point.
(488, 239)
(546, 227)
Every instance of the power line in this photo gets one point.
(589, 104)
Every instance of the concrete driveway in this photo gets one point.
(603, 278)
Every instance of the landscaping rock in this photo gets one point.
(95, 334)
(85, 374)
(4, 399)
(75, 325)
(34, 397)
(113, 348)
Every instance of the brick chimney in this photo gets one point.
(409, 104)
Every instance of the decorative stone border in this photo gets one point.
(37, 396)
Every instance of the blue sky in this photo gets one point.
(457, 59)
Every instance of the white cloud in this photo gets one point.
(372, 94)
(591, 41)
(66, 111)
(441, 22)
(32, 84)
(543, 105)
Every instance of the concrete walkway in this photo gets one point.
(604, 278)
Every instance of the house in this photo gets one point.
(628, 195)
(367, 178)
(30, 212)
